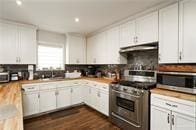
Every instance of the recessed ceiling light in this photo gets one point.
(77, 20)
(19, 2)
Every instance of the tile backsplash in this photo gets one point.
(145, 58)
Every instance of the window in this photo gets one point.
(50, 57)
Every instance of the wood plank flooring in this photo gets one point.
(78, 118)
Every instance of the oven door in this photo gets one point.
(127, 107)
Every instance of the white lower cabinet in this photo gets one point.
(104, 102)
(47, 100)
(76, 95)
(63, 97)
(160, 118)
(168, 113)
(30, 103)
(183, 122)
(39, 98)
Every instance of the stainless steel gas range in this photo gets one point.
(130, 100)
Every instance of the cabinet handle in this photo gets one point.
(180, 57)
(17, 59)
(172, 119)
(71, 90)
(38, 95)
(136, 39)
(168, 104)
(168, 118)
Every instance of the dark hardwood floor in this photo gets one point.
(78, 118)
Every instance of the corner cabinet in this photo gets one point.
(17, 43)
(168, 113)
(75, 49)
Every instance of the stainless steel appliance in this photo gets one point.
(143, 47)
(130, 100)
(4, 77)
(182, 82)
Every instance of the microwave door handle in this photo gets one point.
(126, 94)
(117, 116)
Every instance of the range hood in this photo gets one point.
(143, 47)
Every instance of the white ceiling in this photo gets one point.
(58, 15)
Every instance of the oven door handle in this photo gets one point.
(117, 116)
(127, 94)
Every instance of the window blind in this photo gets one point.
(50, 57)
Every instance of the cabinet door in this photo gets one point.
(76, 95)
(30, 103)
(160, 118)
(168, 34)
(187, 29)
(8, 44)
(104, 103)
(87, 95)
(47, 100)
(27, 45)
(113, 47)
(183, 122)
(101, 48)
(91, 54)
(147, 28)
(127, 34)
(63, 97)
(94, 98)
(76, 50)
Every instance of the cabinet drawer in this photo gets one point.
(30, 87)
(47, 86)
(174, 104)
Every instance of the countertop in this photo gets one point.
(189, 97)
(10, 93)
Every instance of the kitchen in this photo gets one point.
(97, 65)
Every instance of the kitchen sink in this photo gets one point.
(7, 111)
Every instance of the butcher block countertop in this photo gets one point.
(175, 94)
(100, 80)
(10, 94)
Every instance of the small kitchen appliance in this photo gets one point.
(177, 81)
(4, 77)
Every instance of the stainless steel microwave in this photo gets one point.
(182, 82)
(4, 77)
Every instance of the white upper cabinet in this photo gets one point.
(127, 34)
(147, 29)
(27, 45)
(114, 57)
(75, 49)
(18, 44)
(143, 30)
(168, 34)
(9, 44)
(97, 49)
(187, 31)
